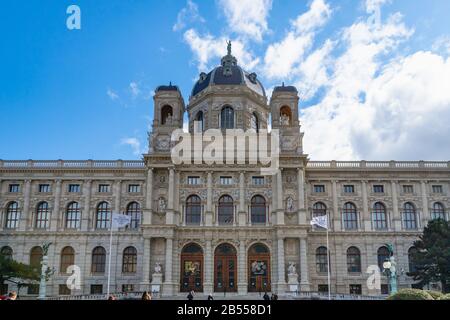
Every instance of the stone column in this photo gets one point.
(336, 214)
(302, 212)
(146, 269)
(425, 214)
(27, 214)
(242, 216)
(148, 211)
(242, 269)
(116, 195)
(86, 214)
(168, 287)
(396, 219)
(208, 269)
(366, 222)
(56, 218)
(169, 212)
(281, 285)
(304, 274)
(280, 202)
(209, 211)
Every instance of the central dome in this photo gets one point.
(229, 73)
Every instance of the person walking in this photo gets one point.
(190, 296)
(210, 297)
(12, 296)
(266, 296)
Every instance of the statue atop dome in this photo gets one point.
(229, 47)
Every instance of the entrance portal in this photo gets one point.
(258, 268)
(225, 263)
(191, 268)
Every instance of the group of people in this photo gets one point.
(191, 295)
(11, 296)
(145, 296)
(267, 297)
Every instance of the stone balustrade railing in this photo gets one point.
(379, 164)
(140, 164)
(44, 164)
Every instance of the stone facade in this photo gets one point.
(182, 219)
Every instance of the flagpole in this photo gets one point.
(328, 262)
(109, 259)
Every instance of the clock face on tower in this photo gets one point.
(163, 143)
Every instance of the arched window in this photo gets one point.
(129, 260)
(73, 214)
(319, 209)
(42, 215)
(321, 260)
(258, 209)
(225, 210)
(227, 118)
(409, 216)
(193, 210)
(412, 260)
(438, 211)
(98, 260)
(254, 122)
(6, 252)
(67, 259)
(134, 210)
(285, 116)
(103, 216)
(350, 216)
(12, 216)
(35, 257)
(353, 260)
(200, 122)
(166, 115)
(379, 216)
(382, 256)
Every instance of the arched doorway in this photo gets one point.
(258, 268)
(191, 268)
(225, 268)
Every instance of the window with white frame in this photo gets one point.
(258, 181)
(226, 180)
(44, 188)
(437, 189)
(134, 188)
(74, 188)
(192, 180)
(14, 188)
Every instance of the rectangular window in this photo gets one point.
(74, 188)
(103, 188)
(226, 180)
(355, 289)
(14, 188)
(437, 189)
(319, 188)
(379, 188)
(33, 289)
(127, 288)
(323, 288)
(384, 289)
(44, 188)
(349, 188)
(64, 290)
(134, 188)
(258, 181)
(96, 288)
(193, 180)
(408, 189)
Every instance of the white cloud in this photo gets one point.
(112, 95)
(208, 47)
(135, 145)
(247, 17)
(188, 14)
(283, 56)
(134, 89)
(442, 45)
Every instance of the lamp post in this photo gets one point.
(390, 267)
(44, 271)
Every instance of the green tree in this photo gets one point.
(16, 272)
(432, 259)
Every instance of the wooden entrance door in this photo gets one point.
(259, 269)
(191, 268)
(225, 268)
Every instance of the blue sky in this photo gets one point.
(86, 94)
